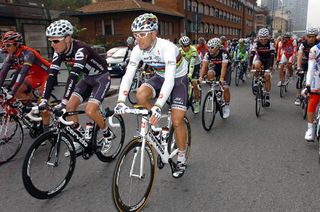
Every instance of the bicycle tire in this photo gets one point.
(252, 87)
(120, 134)
(207, 100)
(304, 106)
(9, 141)
(282, 91)
(48, 146)
(236, 78)
(171, 141)
(258, 101)
(118, 195)
(133, 91)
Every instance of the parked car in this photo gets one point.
(101, 50)
(115, 57)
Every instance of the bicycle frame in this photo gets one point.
(147, 136)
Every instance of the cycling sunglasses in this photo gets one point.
(57, 40)
(141, 34)
(6, 45)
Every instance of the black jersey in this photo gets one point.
(305, 49)
(85, 60)
(215, 62)
(264, 52)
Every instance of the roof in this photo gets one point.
(125, 5)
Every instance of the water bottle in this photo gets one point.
(88, 131)
(165, 134)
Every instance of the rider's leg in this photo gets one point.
(144, 95)
(312, 105)
(72, 105)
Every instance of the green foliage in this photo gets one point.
(66, 4)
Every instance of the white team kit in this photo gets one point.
(165, 58)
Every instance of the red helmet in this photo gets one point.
(12, 37)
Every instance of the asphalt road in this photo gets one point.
(243, 164)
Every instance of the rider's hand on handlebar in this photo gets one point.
(120, 108)
(60, 106)
(43, 104)
(9, 95)
(156, 115)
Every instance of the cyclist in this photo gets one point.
(217, 63)
(170, 78)
(302, 61)
(263, 55)
(286, 52)
(224, 42)
(312, 84)
(189, 52)
(130, 45)
(202, 47)
(94, 84)
(32, 69)
(241, 54)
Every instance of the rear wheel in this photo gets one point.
(131, 188)
(237, 76)
(133, 89)
(46, 170)
(11, 137)
(209, 109)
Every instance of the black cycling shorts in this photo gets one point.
(95, 87)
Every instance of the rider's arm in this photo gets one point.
(77, 68)
(204, 67)
(294, 43)
(299, 58)
(252, 53)
(29, 59)
(53, 72)
(271, 54)
(170, 69)
(192, 62)
(279, 51)
(311, 64)
(5, 69)
(224, 66)
(126, 82)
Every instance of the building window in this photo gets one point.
(212, 12)
(200, 9)
(206, 10)
(189, 5)
(107, 27)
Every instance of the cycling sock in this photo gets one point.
(310, 125)
(181, 156)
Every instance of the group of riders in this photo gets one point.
(175, 67)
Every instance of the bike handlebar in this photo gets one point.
(144, 112)
(34, 110)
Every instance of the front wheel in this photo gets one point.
(108, 150)
(46, 170)
(258, 101)
(131, 183)
(209, 109)
(11, 137)
(237, 77)
(304, 106)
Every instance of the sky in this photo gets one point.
(313, 18)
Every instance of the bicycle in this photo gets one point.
(213, 102)
(139, 78)
(14, 117)
(51, 159)
(136, 163)
(239, 72)
(284, 85)
(260, 96)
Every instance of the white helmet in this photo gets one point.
(214, 43)
(241, 40)
(263, 32)
(312, 31)
(184, 40)
(130, 41)
(145, 23)
(60, 28)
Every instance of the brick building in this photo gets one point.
(110, 20)
(261, 18)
